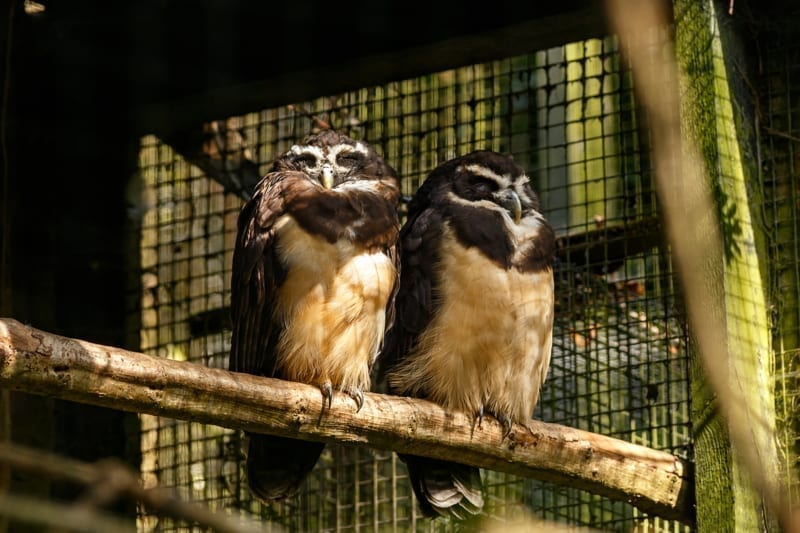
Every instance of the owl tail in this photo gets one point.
(444, 488)
(276, 466)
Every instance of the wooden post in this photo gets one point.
(725, 492)
(703, 186)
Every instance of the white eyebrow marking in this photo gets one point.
(306, 149)
(346, 148)
(319, 153)
(502, 181)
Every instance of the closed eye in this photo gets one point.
(484, 185)
(349, 159)
(304, 161)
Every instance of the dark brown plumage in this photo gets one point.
(474, 310)
(314, 278)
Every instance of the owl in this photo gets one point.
(474, 310)
(314, 278)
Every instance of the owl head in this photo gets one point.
(334, 159)
(483, 180)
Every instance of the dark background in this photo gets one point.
(84, 80)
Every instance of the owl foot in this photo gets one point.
(479, 417)
(507, 425)
(530, 430)
(506, 422)
(357, 397)
(327, 392)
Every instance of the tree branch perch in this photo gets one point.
(42, 363)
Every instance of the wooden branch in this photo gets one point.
(42, 363)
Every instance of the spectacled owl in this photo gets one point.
(315, 274)
(474, 310)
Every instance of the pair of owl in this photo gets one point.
(457, 305)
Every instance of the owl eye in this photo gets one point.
(305, 161)
(484, 185)
(349, 159)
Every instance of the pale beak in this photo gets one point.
(326, 176)
(510, 201)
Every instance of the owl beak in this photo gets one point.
(326, 176)
(510, 201)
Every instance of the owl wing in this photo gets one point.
(276, 466)
(257, 273)
(415, 302)
(442, 488)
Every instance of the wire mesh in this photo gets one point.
(781, 143)
(619, 364)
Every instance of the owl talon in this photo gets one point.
(479, 417)
(507, 425)
(327, 393)
(357, 397)
(505, 421)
